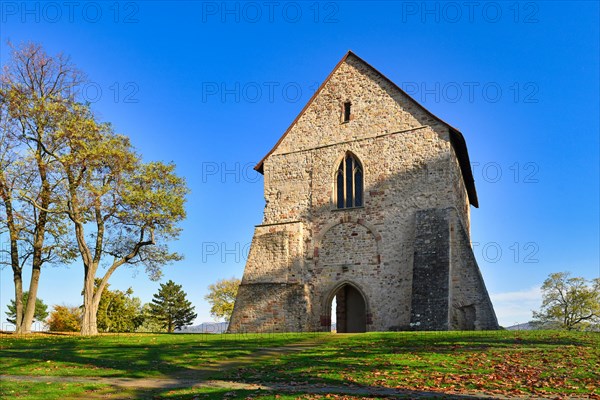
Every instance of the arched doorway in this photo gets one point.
(350, 310)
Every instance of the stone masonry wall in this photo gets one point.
(271, 297)
(269, 307)
(431, 271)
(461, 199)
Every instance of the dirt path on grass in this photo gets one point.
(201, 378)
(266, 388)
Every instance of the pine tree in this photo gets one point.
(40, 314)
(171, 308)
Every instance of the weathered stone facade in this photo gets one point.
(405, 249)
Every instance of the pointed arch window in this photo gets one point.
(349, 183)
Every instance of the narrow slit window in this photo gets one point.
(349, 183)
(358, 190)
(340, 187)
(347, 111)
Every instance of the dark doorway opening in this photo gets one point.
(350, 310)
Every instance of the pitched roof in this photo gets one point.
(456, 138)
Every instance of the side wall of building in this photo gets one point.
(470, 306)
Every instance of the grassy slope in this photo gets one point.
(494, 362)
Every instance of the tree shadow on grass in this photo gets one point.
(123, 357)
(116, 359)
(365, 358)
(190, 360)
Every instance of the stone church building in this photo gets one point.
(367, 201)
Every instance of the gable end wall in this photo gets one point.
(305, 248)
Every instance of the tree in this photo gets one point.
(35, 96)
(130, 208)
(87, 193)
(221, 296)
(170, 307)
(149, 323)
(118, 311)
(569, 302)
(40, 314)
(65, 319)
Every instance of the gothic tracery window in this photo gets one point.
(349, 183)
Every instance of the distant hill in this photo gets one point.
(214, 327)
(526, 326)
(205, 327)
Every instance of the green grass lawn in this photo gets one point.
(53, 391)
(128, 355)
(495, 362)
(501, 362)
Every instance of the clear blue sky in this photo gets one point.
(211, 86)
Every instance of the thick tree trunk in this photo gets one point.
(30, 306)
(89, 323)
(18, 300)
(36, 266)
(17, 273)
(14, 253)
